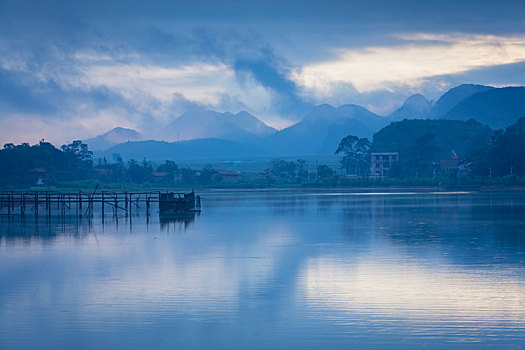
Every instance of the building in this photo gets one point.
(449, 164)
(229, 175)
(159, 176)
(381, 162)
(41, 174)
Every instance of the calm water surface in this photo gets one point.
(272, 270)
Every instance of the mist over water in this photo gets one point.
(272, 270)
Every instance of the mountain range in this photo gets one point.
(210, 134)
(192, 125)
(113, 137)
(198, 149)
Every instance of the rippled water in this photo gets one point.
(272, 270)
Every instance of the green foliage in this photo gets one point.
(283, 168)
(422, 143)
(324, 172)
(139, 173)
(24, 165)
(208, 175)
(505, 155)
(169, 167)
(78, 150)
(356, 155)
(287, 172)
(188, 176)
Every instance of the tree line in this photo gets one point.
(421, 144)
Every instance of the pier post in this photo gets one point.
(36, 204)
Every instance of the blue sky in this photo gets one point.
(74, 69)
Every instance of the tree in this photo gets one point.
(137, 173)
(207, 175)
(506, 154)
(356, 154)
(283, 168)
(188, 175)
(169, 167)
(78, 149)
(302, 172)
(423, 152)
(324, 171)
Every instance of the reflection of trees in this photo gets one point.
(286, 202)
(326, 202)
(465, 226)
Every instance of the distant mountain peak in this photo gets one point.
(454, 96)
(415, 107)
(249, 123)
(113, 137)
(496, 107)
(121, 129)
(242, 126)
(416, 99)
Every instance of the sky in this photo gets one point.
(75, 69)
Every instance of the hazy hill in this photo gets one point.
(113, 137)
(210, 124)
(498, 108)
(415, 107)
(454, 96)
(249, 123)
(322, 129)
(185, 150)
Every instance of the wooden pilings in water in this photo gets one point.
(83, 203)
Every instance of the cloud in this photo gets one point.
(289, 102)
(16, 96)
(73, 67)
(421, 56)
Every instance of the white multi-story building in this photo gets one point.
(381, 162)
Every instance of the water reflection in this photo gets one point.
(49, 227)
(179, 221)
(432, 301)
(279, 270)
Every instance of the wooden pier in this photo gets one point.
(84, 203)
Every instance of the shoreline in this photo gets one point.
(186, 188)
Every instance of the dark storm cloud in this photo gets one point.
(268, 75)
(18, 97)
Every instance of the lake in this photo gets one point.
(272, 270)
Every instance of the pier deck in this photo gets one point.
(83, 203)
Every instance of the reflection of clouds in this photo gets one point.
(203, 283)
(133, 275)
(205, 279)
(411, 291)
